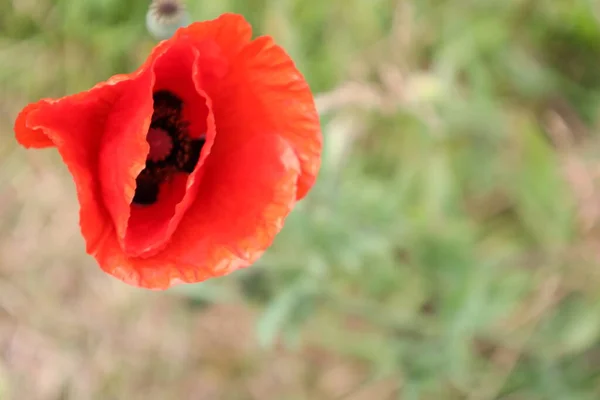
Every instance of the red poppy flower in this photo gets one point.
(186, 168)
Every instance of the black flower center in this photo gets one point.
(172, 150)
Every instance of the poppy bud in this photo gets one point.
(164, 17)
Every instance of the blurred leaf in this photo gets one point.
(203, 293)
(286, 312)
(539, 189)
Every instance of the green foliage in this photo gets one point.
(444, 219)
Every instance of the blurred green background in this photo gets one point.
(450, 249)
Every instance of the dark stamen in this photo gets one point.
(190, 154)
(166, 101)
(146, 190)
(163, 163)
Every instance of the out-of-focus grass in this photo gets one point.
(450, 249)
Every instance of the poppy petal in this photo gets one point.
(76, 126)
(231, 32)
(28, 137)
(142, 231)
(124, 149)
(264, 93)
(150, 228)
(241, 205)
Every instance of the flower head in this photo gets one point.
(186, 168)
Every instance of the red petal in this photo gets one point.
(243, 199)
(75, 125)
(124, 149)
(27, 136)
(150, 228)
(230, 31)
(143, 231)
(265, 94)
(241, 205)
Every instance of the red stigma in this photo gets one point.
(160, 143)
